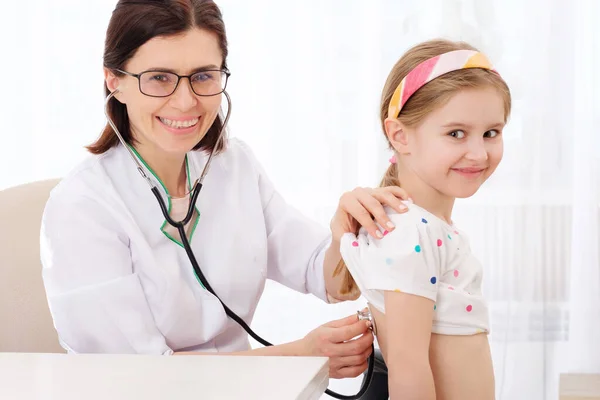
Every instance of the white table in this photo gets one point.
(135, 377)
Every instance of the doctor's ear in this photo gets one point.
(113, 83)
(397, 135)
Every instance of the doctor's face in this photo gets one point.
(173, 124)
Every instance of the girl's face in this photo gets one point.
(458, 146)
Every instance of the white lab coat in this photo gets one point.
(117, 284)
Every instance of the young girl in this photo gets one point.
(443, 110)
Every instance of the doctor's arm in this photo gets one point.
(96, 300)
(335, 340)
(302, 254)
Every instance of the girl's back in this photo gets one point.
(461, 365)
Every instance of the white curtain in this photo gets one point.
(306, 80)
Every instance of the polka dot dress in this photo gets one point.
(422, 256)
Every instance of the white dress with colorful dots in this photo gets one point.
(426, 257)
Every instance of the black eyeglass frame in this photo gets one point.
(189, 78)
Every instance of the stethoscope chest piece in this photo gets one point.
(365, 315)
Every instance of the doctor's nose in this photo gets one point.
(184, 98)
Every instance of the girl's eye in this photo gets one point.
(457, 134)
(491, 134)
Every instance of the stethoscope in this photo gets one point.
(180, 226)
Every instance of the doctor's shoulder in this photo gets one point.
(87, 173)
(80, 189)
(238, 158)
(83, 216)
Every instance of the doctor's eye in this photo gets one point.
(205, 76)
(457, 134)
(161, 77)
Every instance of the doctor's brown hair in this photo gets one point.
(133, 23)
(427, 99)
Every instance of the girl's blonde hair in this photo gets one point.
(428, 98)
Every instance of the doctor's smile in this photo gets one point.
(179, 125)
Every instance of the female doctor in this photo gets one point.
(116, 275)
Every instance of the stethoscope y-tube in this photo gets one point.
(180, 226)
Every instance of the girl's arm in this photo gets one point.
(406, 266)
(407, 322)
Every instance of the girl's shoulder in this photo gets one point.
(416, 221)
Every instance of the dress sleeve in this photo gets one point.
(406, 259)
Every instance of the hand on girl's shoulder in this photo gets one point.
(407, 258)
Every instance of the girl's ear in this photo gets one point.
(397, 135)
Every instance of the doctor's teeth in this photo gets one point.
(179, 124)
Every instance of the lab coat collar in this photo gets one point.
(192, 173)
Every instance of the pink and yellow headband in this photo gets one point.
(433, 68)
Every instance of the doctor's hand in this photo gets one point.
(364, 207)
(347, 342)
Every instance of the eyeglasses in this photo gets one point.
(156, 83)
